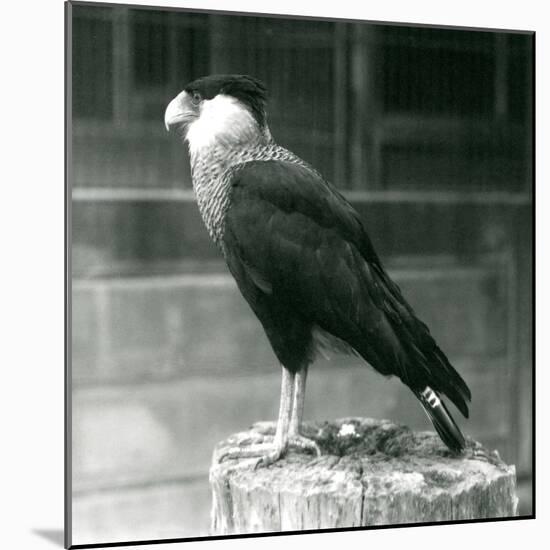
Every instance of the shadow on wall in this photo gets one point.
(57, 536)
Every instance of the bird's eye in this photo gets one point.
(196, 98)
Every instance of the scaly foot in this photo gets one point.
(267, 453)
(305, 443)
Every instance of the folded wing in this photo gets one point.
(294, 244)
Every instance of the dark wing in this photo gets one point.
(292, 237)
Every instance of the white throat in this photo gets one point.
(224, 122)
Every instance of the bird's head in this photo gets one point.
(228, 109)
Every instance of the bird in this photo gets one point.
(303, 261)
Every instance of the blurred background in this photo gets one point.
(428, 133)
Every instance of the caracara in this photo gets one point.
(302, 259)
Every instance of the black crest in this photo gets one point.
(250, 91)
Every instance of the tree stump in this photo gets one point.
(371, 472)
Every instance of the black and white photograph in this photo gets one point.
(300, 265)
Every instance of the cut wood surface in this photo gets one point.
(371, 472)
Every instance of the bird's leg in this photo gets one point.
(269, 453)
(283, 422)
(296, 439)
(298, 401)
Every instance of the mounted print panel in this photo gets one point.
(257, 198)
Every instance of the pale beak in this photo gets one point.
(180, 111)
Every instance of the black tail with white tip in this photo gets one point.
(442, 420)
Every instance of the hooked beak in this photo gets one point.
(180, 111)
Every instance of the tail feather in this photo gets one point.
(422, 364)
(442, 420)
(451, 383)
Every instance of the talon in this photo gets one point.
(267, 453)
(269, 459)
(302, 442)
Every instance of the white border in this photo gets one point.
(31, 236)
